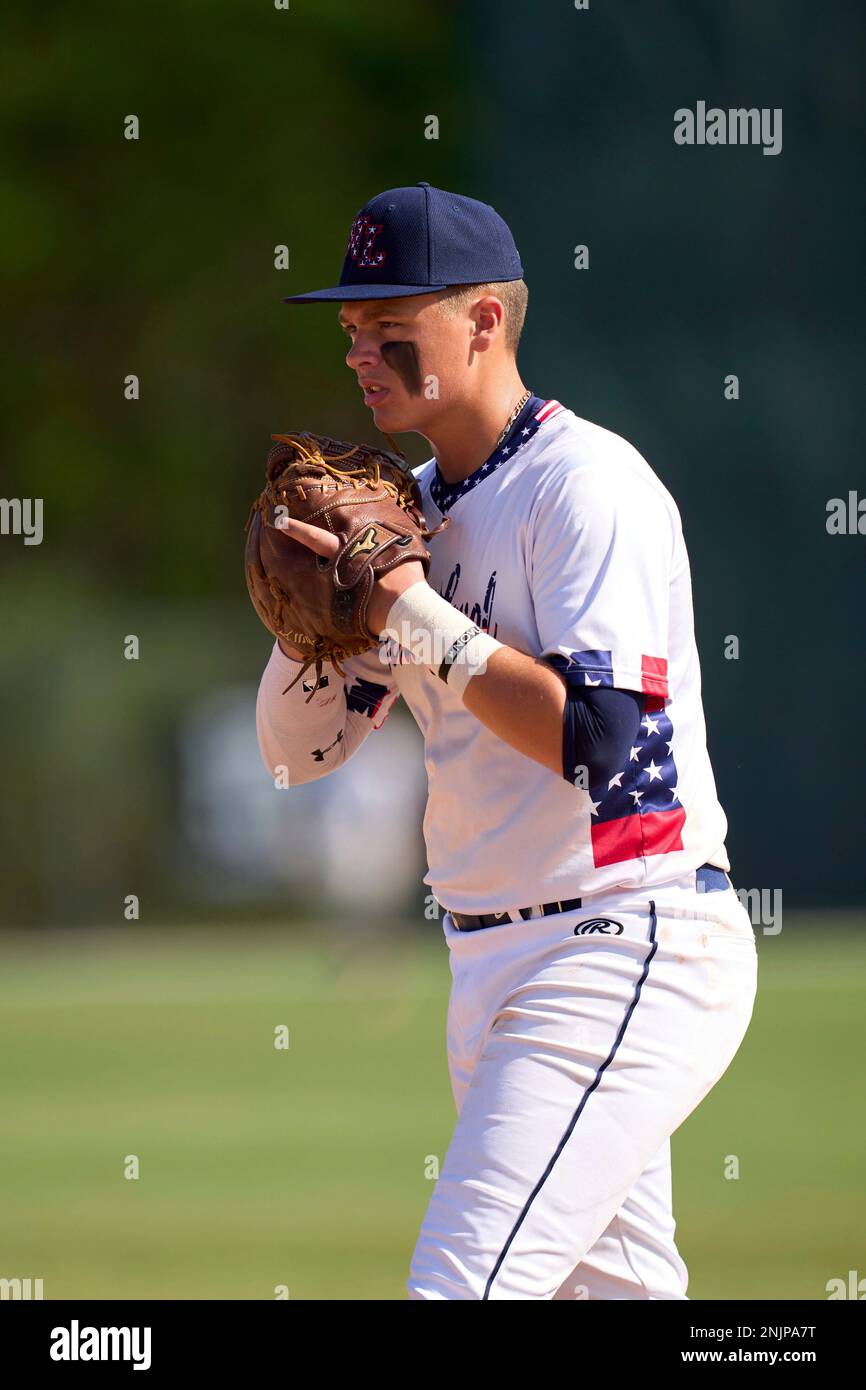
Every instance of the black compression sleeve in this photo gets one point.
(599, 728)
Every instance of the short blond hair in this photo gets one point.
(513, 293)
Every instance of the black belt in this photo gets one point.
(708, 879)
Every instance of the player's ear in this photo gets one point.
(488, 317)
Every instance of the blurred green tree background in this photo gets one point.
(262, 127)
(156, 256)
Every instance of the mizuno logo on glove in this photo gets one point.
(366, 541)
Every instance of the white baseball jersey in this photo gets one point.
(562, 544)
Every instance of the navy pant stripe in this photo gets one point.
(579, 1111)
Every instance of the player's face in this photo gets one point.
(408, 357)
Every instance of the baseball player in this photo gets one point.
(603, 968)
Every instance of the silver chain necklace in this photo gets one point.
(512, 417)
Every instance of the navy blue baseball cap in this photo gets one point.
(417, 240)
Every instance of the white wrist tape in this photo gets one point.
(442, 638)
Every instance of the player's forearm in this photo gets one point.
(521, 700)
(516, 696)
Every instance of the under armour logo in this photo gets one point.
(318, 754)
(361, 238)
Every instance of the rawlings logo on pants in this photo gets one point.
(602, 925)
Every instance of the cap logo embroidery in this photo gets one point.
(361, 238)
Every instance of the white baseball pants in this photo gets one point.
(573, 1058)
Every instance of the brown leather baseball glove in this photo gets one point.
(365, 497)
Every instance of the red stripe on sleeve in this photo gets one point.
(632, 837)
(654, 676)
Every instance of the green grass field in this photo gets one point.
(306, 1167)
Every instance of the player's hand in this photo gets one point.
(385, 590)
